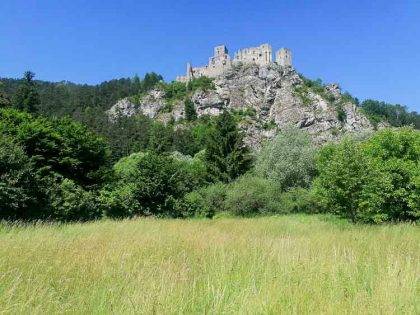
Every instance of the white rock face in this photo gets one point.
(122, 108)
(269, 94)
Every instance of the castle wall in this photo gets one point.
(261, 55)
(220, 61)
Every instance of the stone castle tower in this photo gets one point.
(221, 61)
(284, 57)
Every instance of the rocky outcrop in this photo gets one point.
(267, 98)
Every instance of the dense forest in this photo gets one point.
(61, 158)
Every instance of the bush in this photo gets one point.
(204, 83)
(70, 202)
(49, 164)
(17, 183)
(398, 158)
(298, 200)
(58, 146)
(204, 202)
(373, 181)
(151, 184)
(120, 202)
(251, 195)
(194, 167)
(288, 160)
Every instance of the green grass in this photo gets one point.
(290, 264)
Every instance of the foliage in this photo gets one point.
(288, 160)
(150, 81)
(126, 135)
(4, 99)
(226, 155)
(251, 195)
(185, 141)
(398, 158)
(194, 167)
(119, 201)
(189, 110)
(18, 186)
(174, 90)
(349, 182)
(297, 200)
(203, 83)
(66, 98)
(153, 183)
(396, 115)
(204, 202)
(26, 97)
(70, 202)
(373, 181)
(57, 145)
(160, 140)
(56, 162)
(201, 131)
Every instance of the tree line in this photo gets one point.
(57, 168)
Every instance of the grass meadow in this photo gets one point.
(269, 265)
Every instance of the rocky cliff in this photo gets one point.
(266, 99)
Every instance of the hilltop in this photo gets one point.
(264, 97)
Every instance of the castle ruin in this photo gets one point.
(221, 61)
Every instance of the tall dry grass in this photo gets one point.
(290, 264)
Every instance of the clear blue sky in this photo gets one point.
(372, 48)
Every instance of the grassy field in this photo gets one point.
(290, 264)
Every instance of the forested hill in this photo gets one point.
(67, 98)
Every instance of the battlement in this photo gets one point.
(221, 61)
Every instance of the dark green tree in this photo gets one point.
(148, 184)
(161, 138)
(226, 156)
(26, 97)
(18, 187)
(4, 99)
(189, 110)
(150, 80)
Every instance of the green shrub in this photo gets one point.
(152, 184)
(398, 158)
(18, 187)
(204, 202)
(55, 162)
(120, 202)
(194, 167)
(298, 200)
(204, 83)
(174, 90)
(70, 202)
(251, 195)
(60, 146)
(288, 160)
(372, 181)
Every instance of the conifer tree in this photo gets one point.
(4, 100)
(189, 110)
(226, 155)
(27, 97)
(160, 140)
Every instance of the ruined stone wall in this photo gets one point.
(221, 61)
(284, 57)
(261, 55)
